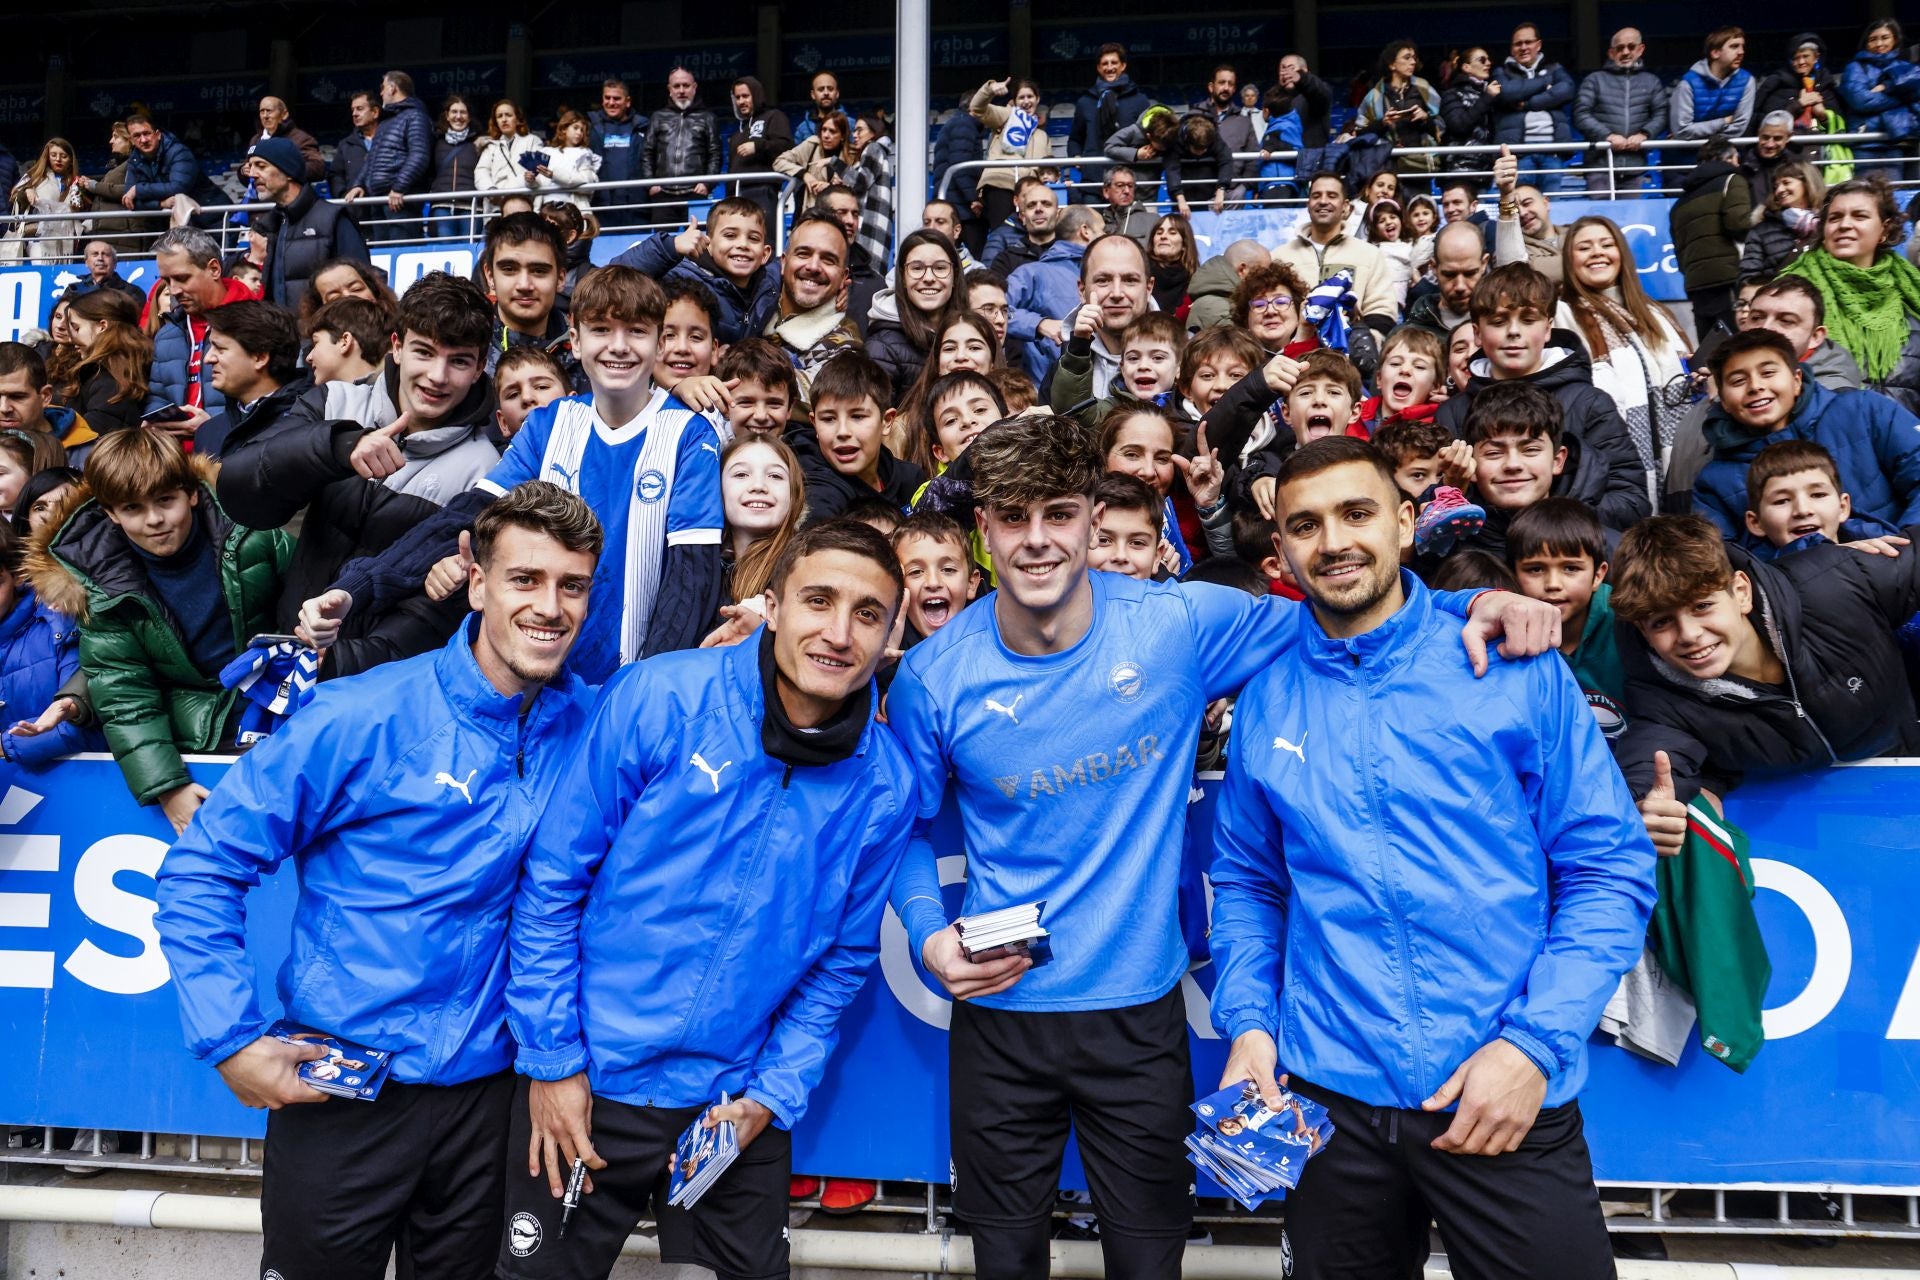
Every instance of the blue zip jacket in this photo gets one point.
(618, 144)
(743, 313)
(406, 797)
(1045, 290)
(402, 150)
(171, 170)
(1875, 443)
(1886, 112)
(695, 915)
(1398, 881)
(39, 650)
(1549, 89)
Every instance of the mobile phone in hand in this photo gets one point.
(167, 413)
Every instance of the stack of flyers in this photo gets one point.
(703, 1155)
(1251, 1150)
(1010, 931)
(348, 1071)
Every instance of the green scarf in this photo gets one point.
(1867, 309)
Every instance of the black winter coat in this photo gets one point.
(454, 163)
(1712, 215)
(1770, 246)
(1603, 469)
(1829, 615)
(829, 492)
(889, 347)
(1466, 118)
(681, 142)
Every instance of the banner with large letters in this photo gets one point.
(93, 1036)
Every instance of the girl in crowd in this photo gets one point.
(570, 163)
(1014, 131)
(456, 156)
(40, 498)
(1788, 224)
(872, 180)
(1872, 293)
(1142, 441)
(23, 455)
(1462, 346)
(1635, 344)
(1172, 257)
(46, 187)
(499, 167)
(1387, 231)
(907, 319)
(1384, 185)
(763, 498)
(965, 341)
(1467, 108)
(108, 387)
(1401, 107)
(59, 351)
(821, 160)
(1423, 224)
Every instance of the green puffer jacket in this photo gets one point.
(152, 701)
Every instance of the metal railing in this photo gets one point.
(1721, 1209)
(1262, 192)
(425, 217)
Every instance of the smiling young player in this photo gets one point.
(1111, 678)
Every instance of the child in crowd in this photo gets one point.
(729, 258)
(842, 452)
(1127, 529)
(1418, 452)
(647, 464)
(23, 455)
(39, 652)
(876, 513)
(941, 578)
(1429, 467)
(1472, 569)
(1317, 395)
(347, 339)
(763, 386)
(1733, 663)
(764, 497)
(1150, 355)
(167, 589)
(1557, 550)
(689, 347)
(1142, 441)
(1512, 309)
(1520, 456)
(960, 406)
(1766, 397)
(1411, 367)
(527, 378)
(1253, 546)
(963, 343)
(1215, 360)
(44, 493)
(1016, 389)
(1795, 500)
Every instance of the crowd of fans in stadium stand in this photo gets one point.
(270, 441)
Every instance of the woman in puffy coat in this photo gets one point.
(1788, 224)
(499, 167)
(1882, 92)
(906, 320)
(1466, 109)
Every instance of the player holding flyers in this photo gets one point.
(1067, 707)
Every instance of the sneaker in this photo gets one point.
(802, 1186)
(1197, 1233)
(83, 1140)
(1445, 520)
(1078, 1228)
(845, 1195)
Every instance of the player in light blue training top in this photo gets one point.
(1067, 709)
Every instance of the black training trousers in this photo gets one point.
(1363, 1206)
(421, 1169)
(1121, 1078)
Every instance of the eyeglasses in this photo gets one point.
(1279, 304)
(1622, 48)
(921, 270)
(994, 309)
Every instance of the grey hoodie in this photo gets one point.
(441, 461)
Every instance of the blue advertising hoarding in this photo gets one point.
(93, 1036)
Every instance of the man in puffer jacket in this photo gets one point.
(1532, 106)
(682, 139)
(406, 847)
(756, 134)
(1716, 94)
(1766, 396)
(1712, 216)
(160, 168)
(1448, 1044)
(400, 161)
(1625, 104)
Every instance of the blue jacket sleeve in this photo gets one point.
(1251, 892)
(574, 834)
(266, 809)
(653, 255)
(1897, 442)
(807, 1027)
(1856, 90)
(416, 150)
(1599, 875)
(1024, 302)
(914, 719)
(68, 738)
